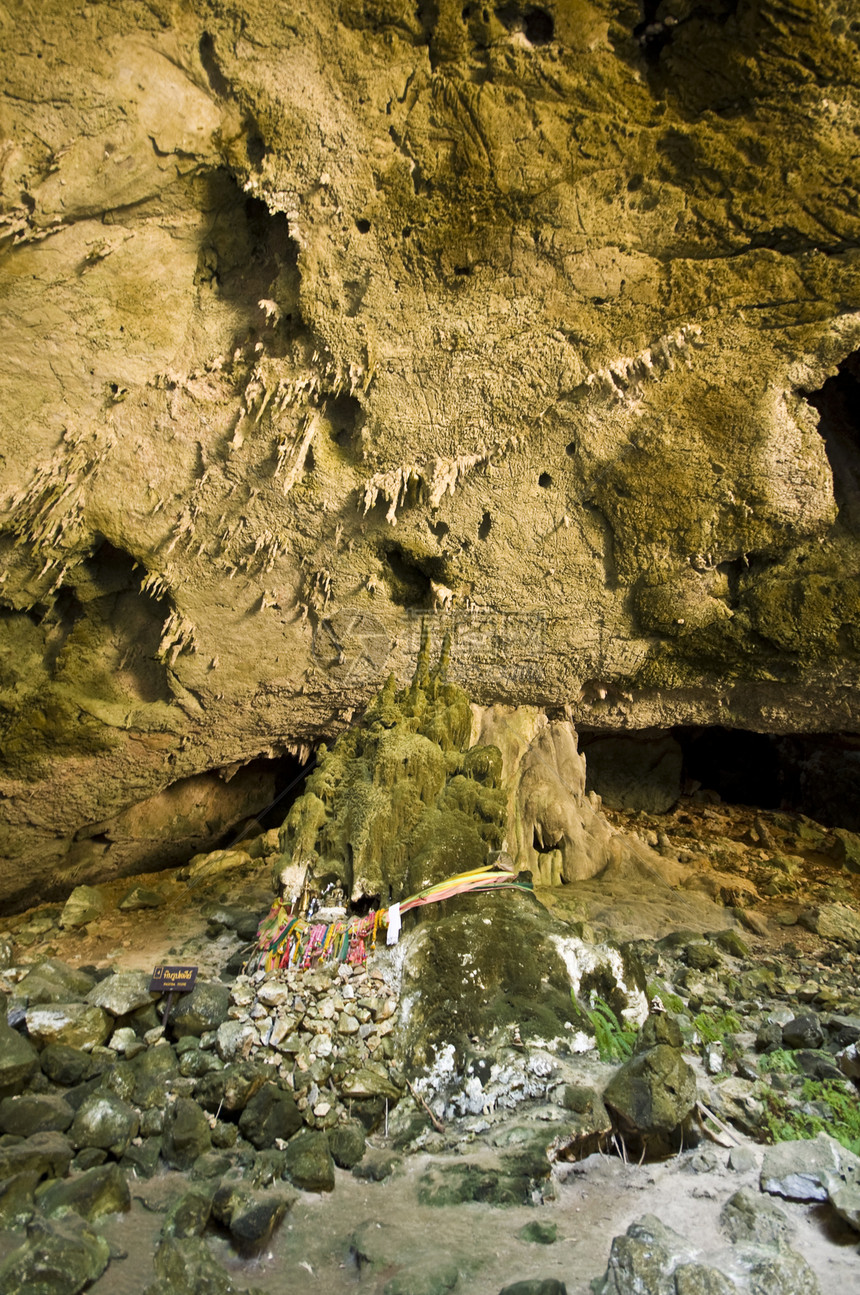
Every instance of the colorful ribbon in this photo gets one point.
(287, 940)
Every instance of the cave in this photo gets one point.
(329, 328)
(817, 775)
(837, 403)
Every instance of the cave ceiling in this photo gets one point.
(320, 319)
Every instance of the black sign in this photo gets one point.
(172, 980)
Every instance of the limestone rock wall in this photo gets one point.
(320, 317)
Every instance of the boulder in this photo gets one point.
(347, 1142)
(48, 1155)
(803, 1031)
(105, 1121)
(251, 1215)
(122, 993)
(832, 922)
(142, 1159)
(53, 981)
(651, 1259)
(186, 1134)
(77, 1025)
(16, 1199)
(749, 1216)
(35, 1113)
(188, 1215)
(85, 904)
(204, 1009)
(232, 1088)
(847, 849)
(308, 1162)
(270, 1114)
(652, 1094)
(64, 1065)
(808, 1169)
(56, 1259)
(536, 1286)
(186, 1266)
(103, 1190)
(139, 898)
(19, 1060)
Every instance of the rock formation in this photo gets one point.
(318, 318)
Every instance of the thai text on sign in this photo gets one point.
(172, 980)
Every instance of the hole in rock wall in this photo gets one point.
(345, 417)
(536, 24)
(410, 576)
(544, 480)
(813, 774)
(838, 406)
(129, 619)
(248, 256)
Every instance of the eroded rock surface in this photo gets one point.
(509, 313)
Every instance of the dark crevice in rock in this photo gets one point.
(536, 24)
(288, 773)
(209, 60)
(838, 406)
(411, 576)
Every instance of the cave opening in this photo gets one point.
(813, 774)
(837, 403)
(284, 778)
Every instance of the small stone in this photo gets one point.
(139, 898)
(743, 1160)
(347, 1024)
(126, 1042)
(235, 1039)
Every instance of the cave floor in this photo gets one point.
(741, 868)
